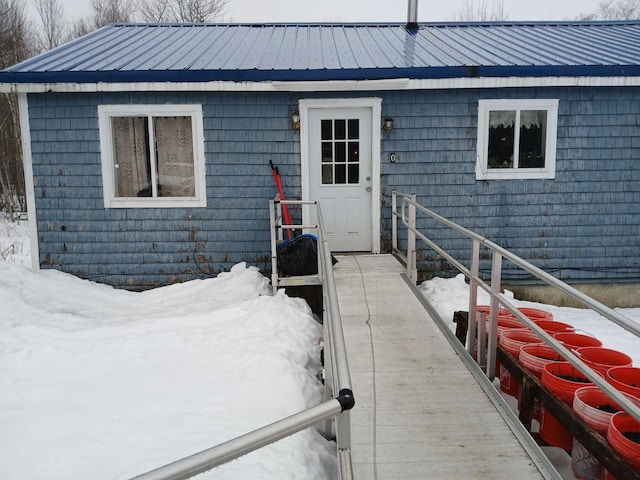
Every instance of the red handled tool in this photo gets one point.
(285, 208)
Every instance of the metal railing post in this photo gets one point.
(481, 334)
(274, 258)
(473, 296)
(412, 270)
(394, 221)
(492, 341)
(279, 218)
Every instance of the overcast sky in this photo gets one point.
(265, 11)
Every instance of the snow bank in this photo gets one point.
(103, 383)
(448, 295)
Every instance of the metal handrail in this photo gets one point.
(335, 407)
(408, 203)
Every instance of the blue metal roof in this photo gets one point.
(288, 52)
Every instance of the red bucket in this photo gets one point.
(624, 436)
(511, 341)
(534, 356)
(625, 379)
(536, 313)
(596, 409)
(563, 379)
(552, 327)
(576, 340)
(602, 359)
(506, 321)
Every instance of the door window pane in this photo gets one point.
(341, 174)
(341, 152)
(327, 152)
(326, 129)
(327, 174)
(340, 129)
(354, 173)
(354, 128)
(353, 152)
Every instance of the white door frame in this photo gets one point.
(375, 104)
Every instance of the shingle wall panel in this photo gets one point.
(581, 225)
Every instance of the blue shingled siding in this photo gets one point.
(138, 248)
(583, 225)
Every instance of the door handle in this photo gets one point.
(368, 189)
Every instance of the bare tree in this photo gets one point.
(16, 40)
(181, 11)
(472, 11)
(80, 27)
(614, 10)
(155, 11)
(55, 30)
(199, 11)
(618, 10)
(104, 12)
(15, 33)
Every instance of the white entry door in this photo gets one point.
(340, 174)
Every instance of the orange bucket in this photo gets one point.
(596, 409)
(563, 379)
(536, 313)
(511, 341)
(534, 356)
(506, 321)
(576, 340)
(602, 359)
(552, 327)
(624, 436)
(625, 379)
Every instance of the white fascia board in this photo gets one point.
(328, 86)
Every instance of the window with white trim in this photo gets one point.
(517, 139)
(152, 156)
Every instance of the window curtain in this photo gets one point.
(174, 154)
(132, 169)
(528, 118)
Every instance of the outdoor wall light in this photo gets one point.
(388, 125)
(295, 120)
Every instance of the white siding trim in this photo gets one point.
(29, 183)
(329, 85)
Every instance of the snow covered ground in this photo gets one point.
(100, 383)
(448, 295)
(106, 384)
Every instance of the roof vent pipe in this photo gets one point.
(412, 15)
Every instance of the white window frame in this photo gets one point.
(106, 112)
(487, 106)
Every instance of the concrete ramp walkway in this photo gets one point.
(419, 413)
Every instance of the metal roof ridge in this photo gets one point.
(514, 23)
